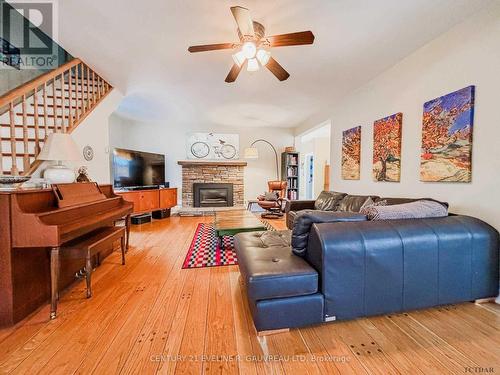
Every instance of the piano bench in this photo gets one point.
(86, 247)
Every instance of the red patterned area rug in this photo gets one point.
(206, 252)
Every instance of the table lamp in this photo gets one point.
(59, 147)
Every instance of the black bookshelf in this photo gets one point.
(290, 172)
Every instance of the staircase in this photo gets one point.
(55, 102)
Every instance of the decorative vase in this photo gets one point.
(59, 174)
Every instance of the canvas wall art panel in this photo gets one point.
(447, 137)
(351, 153)
(387, 148)
(212, 146)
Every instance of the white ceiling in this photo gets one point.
(141, 48)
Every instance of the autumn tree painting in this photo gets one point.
(447, 137)
(387, 148)
(351, 153)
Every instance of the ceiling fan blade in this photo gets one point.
(291, 39)
(233, 73)
(244, 21)
(277, 69)
(212, 47)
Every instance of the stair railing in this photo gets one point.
(57, 101)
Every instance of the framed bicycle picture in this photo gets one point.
(213, 146)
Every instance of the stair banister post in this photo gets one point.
(13, 169)
(36, 120)
(54, 105)
(45, 112)
(70, 99)
(80, 90)
(63, 104)
(89, 101)
(77, 107)
(94, 99)
(26, 156)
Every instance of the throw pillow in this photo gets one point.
(370, 210)
(370, 202)
(270, 196)
(414, 210)
(328, 200)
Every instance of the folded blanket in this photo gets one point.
(414, 210)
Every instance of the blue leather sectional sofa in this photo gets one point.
(350, 267)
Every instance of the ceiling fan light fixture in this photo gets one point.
(239, 58)
(253, 47)
(263, 56)
(253, 65)
(249, 50)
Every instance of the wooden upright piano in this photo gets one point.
(32, 222)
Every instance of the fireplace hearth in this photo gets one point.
(212, 195)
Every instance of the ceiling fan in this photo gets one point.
(254, 46)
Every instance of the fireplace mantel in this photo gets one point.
(213, 163)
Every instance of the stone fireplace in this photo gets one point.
(215, 172)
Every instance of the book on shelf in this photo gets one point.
(292, 171)
(292, 160)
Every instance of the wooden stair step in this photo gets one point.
(73, 83)
(40, 115)
(65, 98)
(58, 106)
(18, 154)
(77, 91)
(21, 139)
(30, 126)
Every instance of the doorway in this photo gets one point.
(309, 175)
(314, 148)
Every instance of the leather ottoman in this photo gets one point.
(282, 287)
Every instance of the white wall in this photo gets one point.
(468, 54)
(170, 139)
(94, 131)
(321, 158)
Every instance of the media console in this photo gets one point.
(151, 199)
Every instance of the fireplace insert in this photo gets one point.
(212, 195)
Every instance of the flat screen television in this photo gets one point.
(137, 169)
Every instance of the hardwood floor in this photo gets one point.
(150, 316)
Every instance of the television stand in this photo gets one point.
(135, 188)
(148, 200)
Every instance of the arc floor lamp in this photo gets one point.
(253, 153)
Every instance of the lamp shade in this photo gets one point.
(60, 146)
(239, 58)
(251, 153)
(252, 65)
(263, 56)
